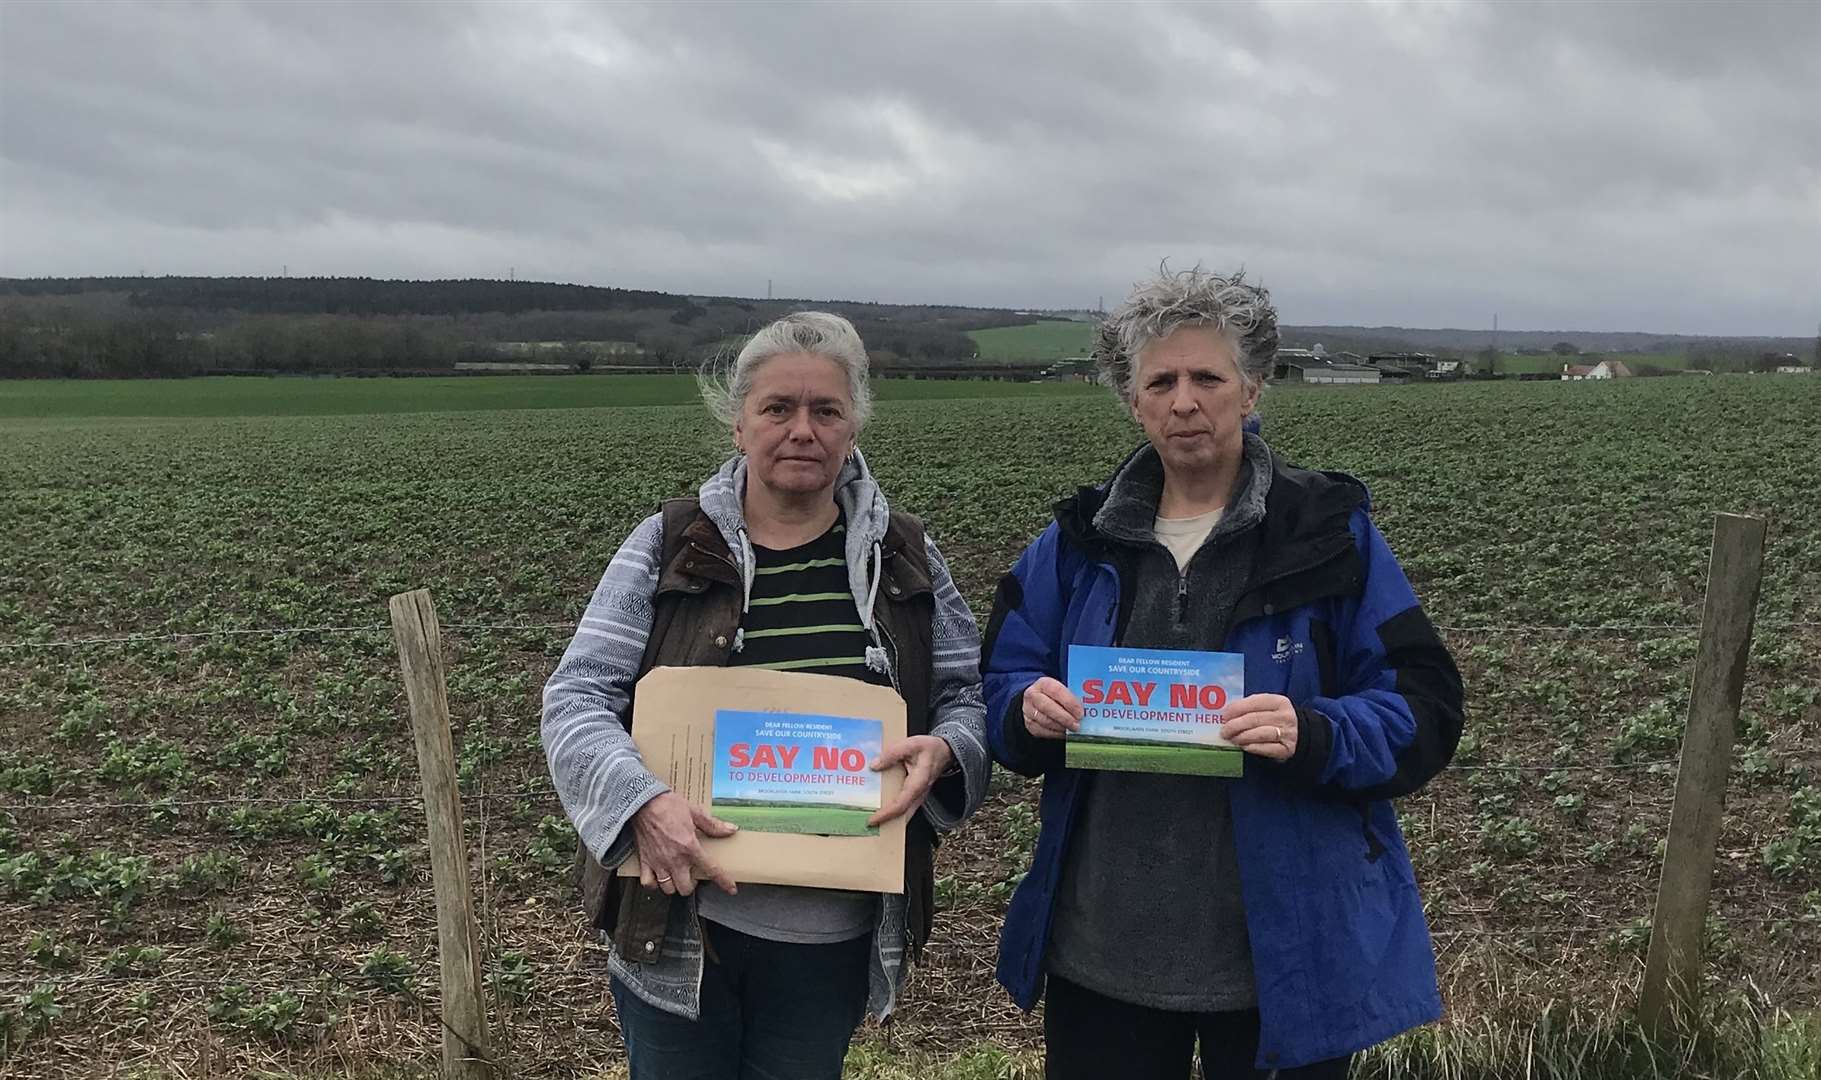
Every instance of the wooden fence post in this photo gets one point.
(467, 1053)
(1672, 969)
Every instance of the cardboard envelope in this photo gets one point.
(673, 725)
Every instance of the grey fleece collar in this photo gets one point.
(1129, 514)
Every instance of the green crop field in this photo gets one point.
(1047, 340)
(302, 396)
(213, 857)
(795, 818)
(1094, 752)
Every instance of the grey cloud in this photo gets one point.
(1580, 165)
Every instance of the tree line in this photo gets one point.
(130, 327)
(346, 296)
(81, 345)
(165, 327)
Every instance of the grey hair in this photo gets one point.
(725, 383)
(1158, 307)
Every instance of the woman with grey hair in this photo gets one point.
(1268, 923)
(788, 558)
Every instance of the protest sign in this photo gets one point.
(795, 772)
(675, 718)
(1154, 710)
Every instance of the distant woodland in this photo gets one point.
(128, 327)
(113, 327)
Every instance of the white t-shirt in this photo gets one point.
(1184, 536)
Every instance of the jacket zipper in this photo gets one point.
(706, 554)
(1182, 584)
(891, 653)
(883, 637)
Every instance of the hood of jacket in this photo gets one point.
(856, 493)
(1304, 511)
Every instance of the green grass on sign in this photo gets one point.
(781, 818)
(1149, 757)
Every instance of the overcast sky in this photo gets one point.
(1596, 166)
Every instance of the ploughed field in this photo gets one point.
(264, 899)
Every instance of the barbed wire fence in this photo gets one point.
(65, 806)
(78, 807)
(144, 637)
(330, 629)
(1485, 923)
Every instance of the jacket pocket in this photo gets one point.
(644, 915)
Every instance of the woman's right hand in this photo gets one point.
(668, 832)
(1050, 711)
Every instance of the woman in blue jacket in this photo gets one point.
(1269, 923)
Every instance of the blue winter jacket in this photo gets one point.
(1340, 947)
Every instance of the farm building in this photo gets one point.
(1317, 370)
(1402, 365)
(515, 368)
(1605, 369)
(1069, 367)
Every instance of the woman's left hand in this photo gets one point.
(924, 757)
(1262, 724)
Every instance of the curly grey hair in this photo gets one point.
(725, 383)
(1158, 307)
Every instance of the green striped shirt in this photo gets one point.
(802, 615)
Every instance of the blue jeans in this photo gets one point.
(770, 1011)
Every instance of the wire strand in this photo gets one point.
(72, 807)
(278, 631)
(379, 628)
(1622, 766)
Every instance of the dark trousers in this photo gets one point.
(770, 1011)
(1088, 1035)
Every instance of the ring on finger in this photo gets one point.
(663, 879)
